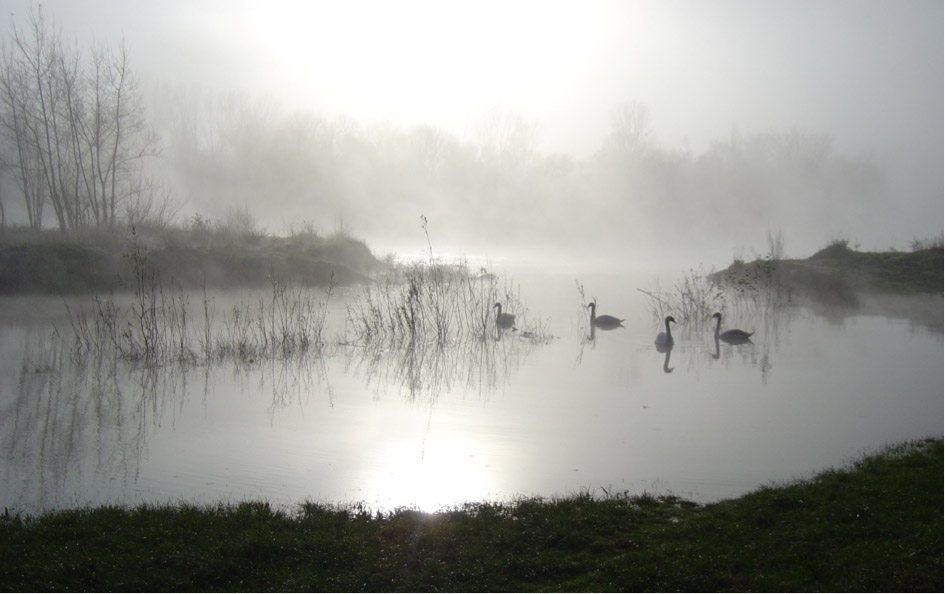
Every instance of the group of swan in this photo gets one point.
(507, 320)
(607, 322)
(734, 336)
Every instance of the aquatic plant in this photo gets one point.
(289, 321)
(429, 301)
(424, 302)
(419, 303)
(695, 297)
(157, 327)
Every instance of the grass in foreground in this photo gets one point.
(876, 526)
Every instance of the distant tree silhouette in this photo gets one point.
(73, 129)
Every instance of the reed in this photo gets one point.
(694, 297)
(42, 354)
(755, 292)
(95, 333)
(421, 303)
(158, 328)
(288, 322)
(429, 302)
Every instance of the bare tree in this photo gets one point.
(115, 134)
(506, 139)
(76, 131)
(21, 155)
(28, 127)
(631, 126)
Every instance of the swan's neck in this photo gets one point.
(667, 328)
(593, 311)
(718, 324)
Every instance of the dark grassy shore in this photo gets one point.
(840, 276)
(92, 261)
(873, 526)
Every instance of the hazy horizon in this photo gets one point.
(865, 77)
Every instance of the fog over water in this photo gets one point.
(651, 132)
(605, 152)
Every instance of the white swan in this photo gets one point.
(733, 336)
(665, 339)
(604, 322)
(503, 320)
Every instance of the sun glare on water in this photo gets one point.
(447, 475)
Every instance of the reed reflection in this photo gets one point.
(77, 429)
(293, 382)
(427, 370)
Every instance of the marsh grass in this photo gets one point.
(750, 293)
(158, 326)
(431, 302)
(743, 292)
(694, 297)
(410, 306)
(875, 525)
(43, 354)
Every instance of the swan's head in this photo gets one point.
(670, 319)
(592, 305)
(717, 315)
(497, 304)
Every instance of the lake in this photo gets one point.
(553, 413)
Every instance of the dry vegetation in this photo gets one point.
(838, 275)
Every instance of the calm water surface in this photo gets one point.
(432, 428)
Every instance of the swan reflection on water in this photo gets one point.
(669, 351)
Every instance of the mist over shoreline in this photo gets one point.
(637, 135)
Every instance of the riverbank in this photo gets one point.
(50, 262)
(840, 276)
(874, 526)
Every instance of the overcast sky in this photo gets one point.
(868, 72)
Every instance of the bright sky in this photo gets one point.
(867, 71)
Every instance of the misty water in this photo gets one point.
(431, 428)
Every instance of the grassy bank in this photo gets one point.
(102, 261)
(874, 526)
(838, 275)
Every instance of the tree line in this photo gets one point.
(80, 145)
(244, 153)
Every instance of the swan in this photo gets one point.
(665, 338)
(604, 322)
(503, 320)
(730, 336)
